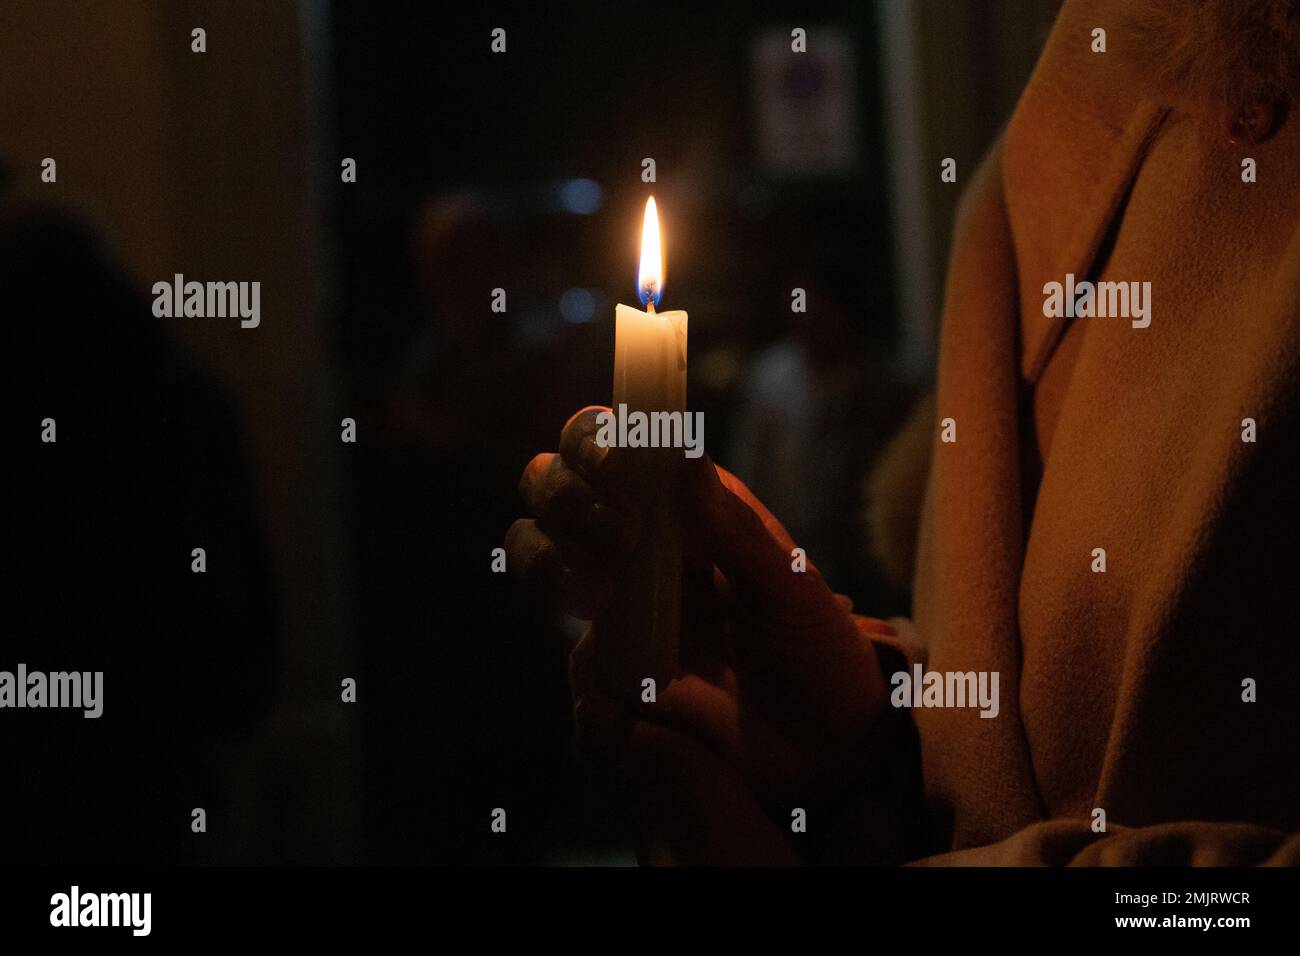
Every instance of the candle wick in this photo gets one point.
(650, 306)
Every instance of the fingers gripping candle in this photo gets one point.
(650, 376)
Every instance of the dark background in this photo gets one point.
(476, 171)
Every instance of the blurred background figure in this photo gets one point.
(146, 464)
(816, 408)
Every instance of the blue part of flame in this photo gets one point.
(648, 292)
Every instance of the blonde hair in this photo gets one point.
(1219, 54)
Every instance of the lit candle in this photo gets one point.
(650, 376)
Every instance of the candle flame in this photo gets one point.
(650, 278)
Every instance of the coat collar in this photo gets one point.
(1073, 147)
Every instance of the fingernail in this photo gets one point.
(874, 625)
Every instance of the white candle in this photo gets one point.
(650, 376)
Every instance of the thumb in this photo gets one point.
(749, 545)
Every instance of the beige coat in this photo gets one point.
(1120, 691)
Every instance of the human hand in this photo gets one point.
(780, 694)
